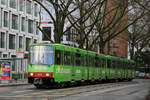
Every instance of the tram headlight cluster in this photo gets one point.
(47, 74)
(31, 74)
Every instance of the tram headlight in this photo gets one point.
(47, 74)
(31, 74)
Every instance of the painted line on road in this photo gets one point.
(14, 96)
(23, 91)
(30, 96)
(40, 92)
(42, 95)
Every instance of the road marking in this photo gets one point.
(29, 96)
(22, 91)
(40, 92)
(14, 96)
(43, 95)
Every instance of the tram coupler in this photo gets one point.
(38, 81)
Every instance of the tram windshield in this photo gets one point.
(41, 55)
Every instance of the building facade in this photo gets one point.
(18, 28)
(118, 46)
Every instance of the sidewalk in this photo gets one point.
(13, 83)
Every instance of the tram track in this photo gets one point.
(77, 90)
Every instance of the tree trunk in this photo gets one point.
(101, 46)
(57, 37)
(132, 52)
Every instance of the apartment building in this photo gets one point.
(18, 28)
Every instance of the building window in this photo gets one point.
(35, 9)
(14, 63)
(0, 54)
(5, 19)
(28, 41)
(23, 24)
(37, 30)
(2, 40)
(30, 26)
(13, 4)
(47, 30)
(20, 42)
(21, 5)
(4, 55)
(28, 7)
(3, 2)
(35, 41)
(68, 36)
(114, 43)
(11, 41)
(14, 21)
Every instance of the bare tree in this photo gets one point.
(139, 36)
(84, 25)
(143, 3)
(113, 22)
(58, 16)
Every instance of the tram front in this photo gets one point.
(40, 67)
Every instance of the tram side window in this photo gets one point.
(113, 64)
(133, 66)
(87, 61)
(119, 64)
(125, 65)
(72, 59)
(103, 63)
(58, 57)
(129, 67)
(78, 58)
(91, 61)
(99, 62)
(83, 60)
(122, 64)
(96, 62)
(67, 58)
(109, 63)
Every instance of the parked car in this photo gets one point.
(141, 75)
(148, 75)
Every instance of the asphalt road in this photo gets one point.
(135, 90)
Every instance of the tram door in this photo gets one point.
(87, 67)
(73, 66)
